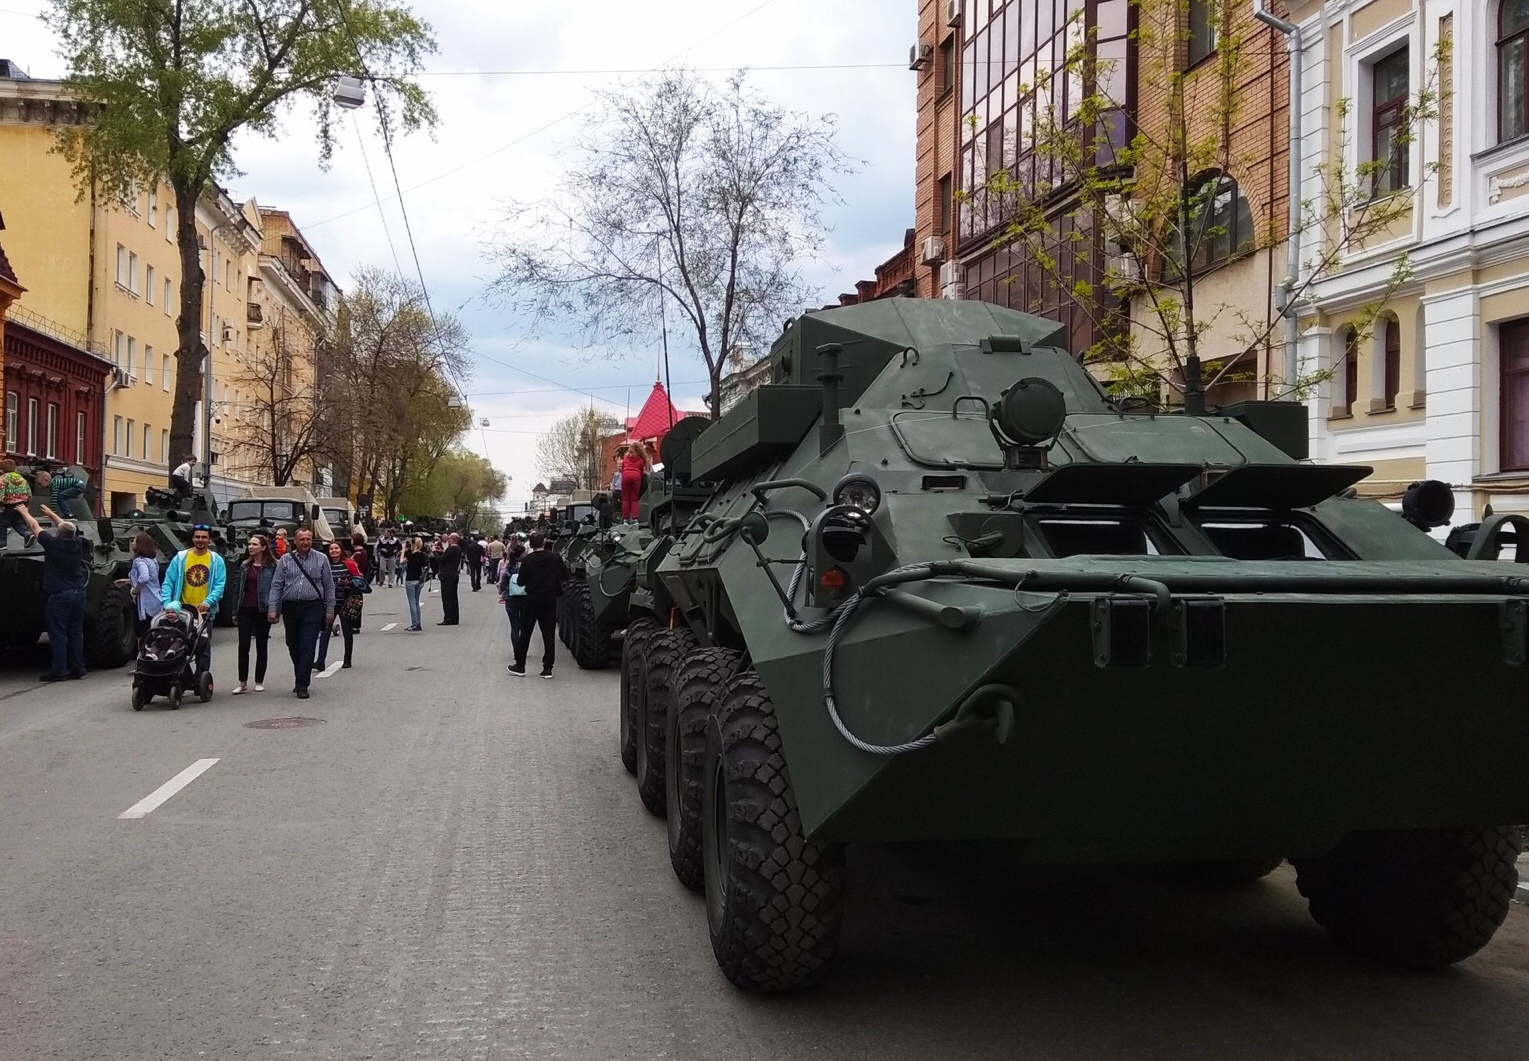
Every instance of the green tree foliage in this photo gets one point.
(1162, 198)
(462, 486)
(683, 195)
(175, 81)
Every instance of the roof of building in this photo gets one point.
(6, 272)
(658, 415)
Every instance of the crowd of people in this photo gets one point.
(315, 591)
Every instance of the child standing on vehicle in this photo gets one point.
(15, 492)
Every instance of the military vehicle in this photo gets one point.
(270, 508)
(340, 514)
(944, 588)
(110, 631)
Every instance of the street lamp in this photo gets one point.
(349, 93)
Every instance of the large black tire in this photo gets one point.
(694, 696)
(111, 636)
(774, 900)
(1420, 900)
(632, 648)
(591, 642)
(660, 662)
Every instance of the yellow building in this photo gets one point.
(101, 269)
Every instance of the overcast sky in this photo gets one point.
(500, 137)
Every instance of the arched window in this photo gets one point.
(1391, 380)
(1512, 69)
(1220, 225)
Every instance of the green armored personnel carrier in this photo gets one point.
(944, 588)
(110, 631)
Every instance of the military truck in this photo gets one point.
(340, 514)
(944, 588)
(110, 631)
(271, 508)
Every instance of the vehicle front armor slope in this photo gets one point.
(1109, 636)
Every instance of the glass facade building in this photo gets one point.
(1013, 74)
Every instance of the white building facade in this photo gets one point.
(1438, 387)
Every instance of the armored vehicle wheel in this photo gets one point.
(632, 647)
(774, 900)
(204, 686)
(1420, 900)
(110, 636)
(660, 662)
(141, 697)
(592, 643)
(693, 697)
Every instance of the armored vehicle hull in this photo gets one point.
(980, 601)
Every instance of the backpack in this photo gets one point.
(513, 588)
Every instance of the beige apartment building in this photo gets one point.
(104, 274)
(1439, 388)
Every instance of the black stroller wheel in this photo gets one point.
(204, 686)
(175, 698)
(141, 697)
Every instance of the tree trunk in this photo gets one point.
(191, 355)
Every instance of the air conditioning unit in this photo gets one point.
(920, 56)
(120, 378)
(1125, 268)
(228, 333)
(951, 273)
(931, 250)
(952, 12)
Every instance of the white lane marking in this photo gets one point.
(169, 788)
(388, 627)
(331, 670)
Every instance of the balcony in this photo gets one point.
(254, 316)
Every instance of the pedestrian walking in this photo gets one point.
(303, 591)
(634, 465)
(474, 553)
(365, 566)
(494, 550)
(252, 583)
(449, 569)
(511, 593)
(343, 572)
(541, 574)
(195, 579)
(388, 550)
(143, 582)
(414, 568)
(63, 580)
(15, 493)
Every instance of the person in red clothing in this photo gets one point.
(342, 569)
(633, 458)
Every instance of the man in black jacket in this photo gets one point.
(473, 550)
(541, 573)
(450, 567)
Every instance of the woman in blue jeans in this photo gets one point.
(413, 563)
(511, 594)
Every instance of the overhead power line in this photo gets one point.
(659, 69)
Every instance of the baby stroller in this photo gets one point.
(167, 659)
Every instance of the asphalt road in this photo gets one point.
(455, 865)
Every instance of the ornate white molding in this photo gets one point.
(1498, 185)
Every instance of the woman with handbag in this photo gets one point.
(511, 593)
(252, 584)
(347, 603)
(143, 578)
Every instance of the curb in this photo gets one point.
(1521, 893)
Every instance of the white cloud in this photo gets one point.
(482, 113)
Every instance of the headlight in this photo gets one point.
(858, 491)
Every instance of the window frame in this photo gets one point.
(1213, 252)
(1202, 39)
(1391, 366)
(1518, 38)
(1390, 114)
(79, 437)
(33, 408)
(148, 284)
(12, 420)
(51, 440)
(132, 426)
(116, 435)
(1512, 339)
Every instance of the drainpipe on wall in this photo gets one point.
(1284, 295)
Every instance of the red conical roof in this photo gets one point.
(657, 417)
